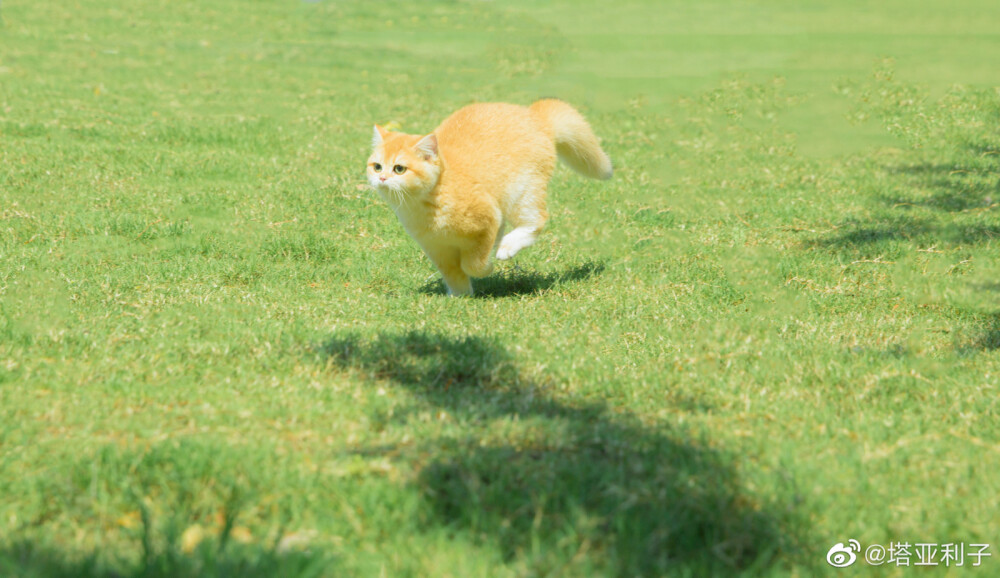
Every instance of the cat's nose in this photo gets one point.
(383, 178)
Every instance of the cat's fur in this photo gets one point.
(485, 167)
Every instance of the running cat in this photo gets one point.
(485, 167)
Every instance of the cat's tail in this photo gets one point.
(576, 143)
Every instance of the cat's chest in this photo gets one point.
(422, 218)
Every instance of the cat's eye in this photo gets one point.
(399, 169)
(377, 167)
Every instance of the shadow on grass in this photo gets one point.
(989, 336)
(165, 490)
(884, 230)
(931, 204)
(952, 187)
(26, 559)
(953, 203)
(571, 486)
(515, 281)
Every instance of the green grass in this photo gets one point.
(777, 328)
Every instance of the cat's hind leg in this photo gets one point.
(528, 221)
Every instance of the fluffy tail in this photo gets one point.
(576, 143)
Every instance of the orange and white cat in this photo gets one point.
(484, 168)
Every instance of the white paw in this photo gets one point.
(505, 252)
(513, 242)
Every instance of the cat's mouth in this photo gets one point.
(392, 191)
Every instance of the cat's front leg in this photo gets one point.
(448, 260)
(477, 256)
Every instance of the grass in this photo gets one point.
(776, 329)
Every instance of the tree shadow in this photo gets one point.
(868, 233)
(945, 195)
(578, 483)
(938, 202)
(28, 559)
(865, 236)
(515, 281)
(988, 338)
(164, 490)
(972, 182)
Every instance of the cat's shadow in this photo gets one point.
(513, 281)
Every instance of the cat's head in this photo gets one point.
(403, 165)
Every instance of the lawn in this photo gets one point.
(775, 330)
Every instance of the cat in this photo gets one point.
(485, 167)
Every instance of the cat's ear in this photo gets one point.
(428, 147)
(378, 136)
